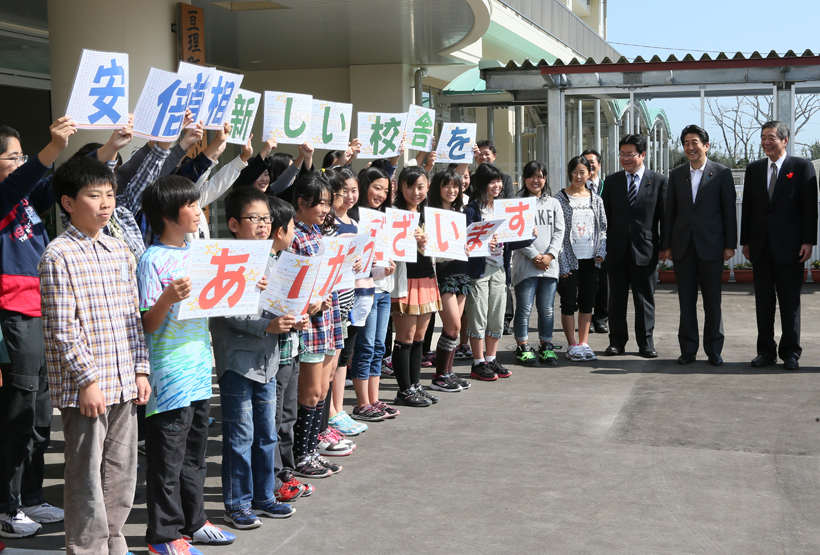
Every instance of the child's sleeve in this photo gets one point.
(20, 183)
(130, 167)
(149, 283)
(136, 337)
(60, 308)
(284, 181)
(131, 197)
(253, 325)
(222, 180)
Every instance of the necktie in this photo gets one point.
(772, 180)
(632, 194)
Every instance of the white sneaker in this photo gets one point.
(44, 514)
(576, 353)
(17, 525)
(589, 354)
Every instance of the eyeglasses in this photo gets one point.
(256, 219)
(20, 160)
(628, 154)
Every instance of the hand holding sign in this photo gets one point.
(479, 237)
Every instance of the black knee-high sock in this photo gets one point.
(401, 364)
(326, 409)
(301, 431)
(415, 362)
(445, 348)
(315, 426)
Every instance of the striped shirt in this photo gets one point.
(91, 320)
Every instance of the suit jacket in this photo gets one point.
(638, 228)
(789, 220)
(710, 221)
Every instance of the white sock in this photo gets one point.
(490, 358)
(477, 361)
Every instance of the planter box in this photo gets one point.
(815, 276)
(743, 276)
(726, 274)
(667, 276)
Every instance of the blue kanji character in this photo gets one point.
(169, 120)
(108, 94)
(219, 102)
(198, 90)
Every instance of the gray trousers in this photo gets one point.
(100, 478)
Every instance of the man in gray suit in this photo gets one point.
(700, 234)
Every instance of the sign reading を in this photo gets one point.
(455, 146)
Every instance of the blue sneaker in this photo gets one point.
(275, 509)
(343, 423)
(211, 535)
(243, 520)
(176, 547)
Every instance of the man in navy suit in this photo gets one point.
(778, 227)
(634, 204)
(700, 234)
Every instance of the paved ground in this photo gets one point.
(619, 456)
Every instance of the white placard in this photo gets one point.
(455, 146)
(99, 97)
(380, 134)
(219, 100)
(401, 225)
(419, 130)
(330, 272)
(242, 114)
(519, 218)
(287, 117)
(374, 223)
(446, 234)
(290, 284)
(201, 79)
(479, 235)
(330, 124)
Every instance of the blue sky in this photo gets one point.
(729, 26)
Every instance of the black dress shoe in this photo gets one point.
(601, 328)
(612, 350)
(715, 360)
(683, 360)
(761, 361)
(791, 364)
(648, 353)
(508, 329)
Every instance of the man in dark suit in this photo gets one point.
(634, 203)
(600, 318)
(700, 234)
(778, 227)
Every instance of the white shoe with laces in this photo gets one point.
(44, 514)
(589, 354)
(17, 525)
(576, 353)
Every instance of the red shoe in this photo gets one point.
(289, 492)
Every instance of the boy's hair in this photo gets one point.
(409, 176)
(164, 198)
(281, 214)
(368, 176)
(87, 149)
(529, 170)
(7, 133)
(76, 173)
(239, 199)
(593, 152)
(484, 174)
(638, 141)
(308, 188)
(440, 179)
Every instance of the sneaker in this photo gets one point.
(411, 398)
(333, 467)
(178, 547)
(546, 354)
(482, 372)
(387, 367)
(360, 427)
(576, 353)
(44, 514)
(389, 411)
(342, 423)
(428, 360)
(332, 447)
(445, 383)
(308, 467)
(288, 492)
(463, 383)
(525, 355)
(464, 351)
(211, 535)
(368, 413)
(307, 489)
(274, 509)
(18, 525)
(589, 354)
(426, 394)
(340, 437)
(141, 447)
(348, 383)
(500, 370)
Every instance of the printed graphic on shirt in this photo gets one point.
(19, 222)
(582, 234)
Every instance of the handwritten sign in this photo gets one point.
(455, 146)
(330, 272)
(287, 117)
(161, 107)
(201, 78)
(330, 124)
(224, 274)
(373, 223)
(356, 249)
(479, 235)
(381, 134)
(221, 93)
(99, 97)
(518, 215)
(290, 284)
(400, 227)
(420, 124)
(245, 106)
(446, 233)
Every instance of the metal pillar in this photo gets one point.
(490, 123)
(580, 146)
(556, 121)
(519, 123)
(631, 128)
(702, 109)
(597, 107)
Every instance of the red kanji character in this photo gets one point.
(404, 225)
(474, 237)
(218, 284)
(517, 221)
(335, 264)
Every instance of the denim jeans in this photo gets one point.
(367, 355)
(249, 439)
(542, 289)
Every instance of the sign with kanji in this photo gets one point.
(381, 134)
(374, 223)
(241, 115)
(202, 77)
(446, 233)
(519, 218)
(219, 99)
(161, 108)
(99, 97)
(419, 130)
(357, 247)
(290, 284)
(287, 117)
(479, 235)
(330, 124)
(191, 34)
(224, 274)
(333, 262)
(455, 146)
(401, 225)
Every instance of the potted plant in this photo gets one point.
(726, 273)
(815, 271)
(666, 274)
(743, 272)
